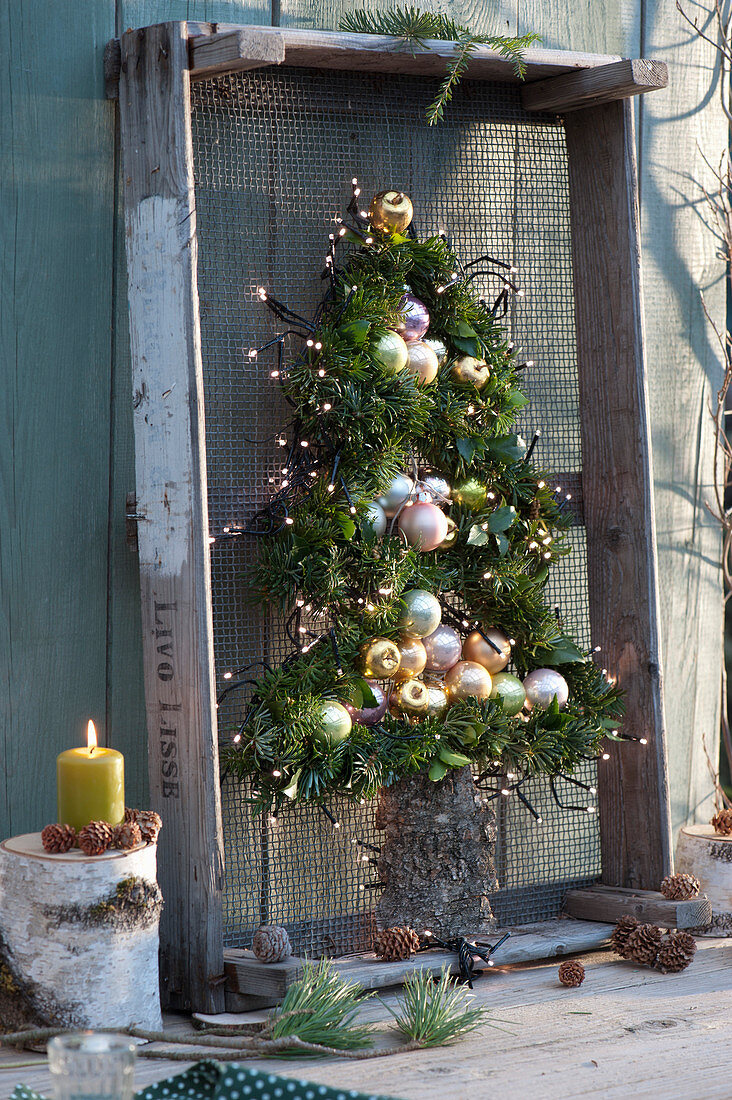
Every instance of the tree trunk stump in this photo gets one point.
(436, 860)
(78, 937)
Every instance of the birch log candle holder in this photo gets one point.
(708, 856)
(78, 937)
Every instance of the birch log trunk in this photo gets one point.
(708, 856)
(437, 856)
(78, 937)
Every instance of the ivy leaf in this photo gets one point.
(516, 400)
(453, 759)
(502, 518)
(503, 544)
(290, 790)
(561, 652)
(346, 524)
(477, 536)
(356, 331)
(466, 448)
(468, 345)
(505, 448)
(367, 695)
(467, 331)
(437, 771)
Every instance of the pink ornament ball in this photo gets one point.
(444, 648)
(423, 525)
(369, 716)
(416, 318)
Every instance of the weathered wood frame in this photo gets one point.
(152, 69)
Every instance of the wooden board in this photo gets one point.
(591, 87)
(618, 491)
(171, 494)
(610, 903)
(252, 984)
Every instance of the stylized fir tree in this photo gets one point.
(412, 541)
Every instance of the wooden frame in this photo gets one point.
(152, 68)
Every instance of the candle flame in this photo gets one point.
(91, 737)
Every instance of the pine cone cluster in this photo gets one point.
(148, 822)
(722, 822)
(571, 973)
(126, 836)
(395, 944)
(646, 944)
(58, 838)
(643, 944)
(95, 838)
(676, 952)
(621, 932)
(680, 887)
(271, 944)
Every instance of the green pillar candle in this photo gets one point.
(90, 784)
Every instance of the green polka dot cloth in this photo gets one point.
(214, 1081)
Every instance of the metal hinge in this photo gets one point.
(131, 518)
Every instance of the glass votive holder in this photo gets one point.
(89, 1065)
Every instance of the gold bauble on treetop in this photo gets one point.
(380, 659)
(494, 657)
(391, 211)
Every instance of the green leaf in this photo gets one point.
(477, 536)
(437, 771)
(453, 759)
(505, 448)
(468, 346)
(466, 448)
(290, 790)
(516, 400)
(346, 524)
(356, 331)
(502, 518)
(503, 544)
(368, 697)
(466, 330)
(562, 652)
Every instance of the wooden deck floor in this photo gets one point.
(627, 1032)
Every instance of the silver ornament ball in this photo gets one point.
(397, 493)
(420, 614)
(542, 685)
(374, 521)
(436, 486)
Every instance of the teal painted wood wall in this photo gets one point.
(69, 616)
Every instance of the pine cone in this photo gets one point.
(643, 944)
(621, 932)
(571, 973)
(680, 887)
(271, 944)
(95, 838)
(126, 836)
(722, 822)
(394, 944)
(148, 821)
(58, 838)
(676, 952)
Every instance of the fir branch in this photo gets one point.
(414, 29)
(322, 1008)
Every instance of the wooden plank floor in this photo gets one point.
(626, 1032)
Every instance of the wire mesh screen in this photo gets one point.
(275, 151)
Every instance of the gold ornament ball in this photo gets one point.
(471, 493)
(391, 211)
(410, 698)
(380, 659)
(437, 701)
(413, 657)
(451, 537)
(468, 679)
(422, 362)
(476, 648)
(391, 352)
(469, 371)
(420, 614)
